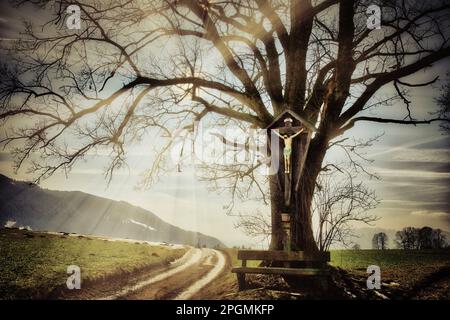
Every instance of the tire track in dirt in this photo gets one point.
(212, 274)
(191, 273)
(192, 257)
(172, 286)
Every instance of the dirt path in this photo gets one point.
(182, 280)
(210, 276)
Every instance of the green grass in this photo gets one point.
(361, 259)
(407, 268)
(237, 263)
(36, 264)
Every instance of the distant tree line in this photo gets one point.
(420, 238)
(411, 238)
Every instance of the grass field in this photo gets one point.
(232, 252)
(361, 259)
(409, 269)
(33, 264)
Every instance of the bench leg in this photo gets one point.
(241, 281)
(323, 283)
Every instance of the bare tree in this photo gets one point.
(138, 68)
(407, 238)
(379, 241)
(420, 238)
(255, 225)
(439, 240)
(444, 103)
(340, 202)
(425, 238)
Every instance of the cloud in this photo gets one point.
(427, 155)
(429, 166)
(398, 143)
(436, 217)
(407, 174)
(439, 143)
(415, 175)
(5, 156)
(431, 214)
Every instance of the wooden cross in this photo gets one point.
(283, 127)
(287, 134)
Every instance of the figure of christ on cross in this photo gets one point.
(287, 139)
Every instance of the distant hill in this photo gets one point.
(365, 235)
(27, 204)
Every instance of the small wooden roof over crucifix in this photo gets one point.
(280, 121)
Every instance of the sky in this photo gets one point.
(411, 162)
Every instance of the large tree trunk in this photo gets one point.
(307, 161)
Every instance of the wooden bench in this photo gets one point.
(318, 258)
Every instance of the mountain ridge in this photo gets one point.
(27, 204)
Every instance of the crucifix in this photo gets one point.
(287, 134)
(295, 132)
(287, 137)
